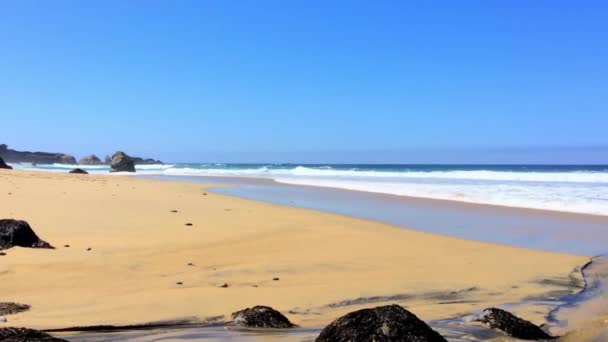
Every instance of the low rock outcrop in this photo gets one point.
(3, 165)
(13, 156)
(26, 335)
(390, 323)
(121, 162)
(107, 160)
(148, 161)
(79, 171)
(14, 233)
(90, 160)
(512, 325)
(261, 317)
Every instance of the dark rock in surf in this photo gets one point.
(79, 171)
(390, 323)
(14, 233)
(90, 160)
(512, 325)
(3, 165)
(26, 335)
(261, 317)
(121, 162)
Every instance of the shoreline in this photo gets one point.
(332, 266)
(226, 181)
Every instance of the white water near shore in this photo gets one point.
(568, 189)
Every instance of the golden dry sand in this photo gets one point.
(140, 250)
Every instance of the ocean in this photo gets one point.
(568, 188)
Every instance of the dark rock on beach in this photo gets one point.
(261, 317)
(79, 171)
(13, 156)
(512, 325)
(90, 160)
(19, 233)
(26, 335)
(12, 308)
(390, 323)
(121, 162)
(3, 165)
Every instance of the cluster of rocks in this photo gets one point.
(390, 323)
(94, 160)
(120, 162)
(123, 163)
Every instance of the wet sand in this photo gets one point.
(327, 264)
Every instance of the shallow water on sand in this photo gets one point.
(537, 229)
(453, 330)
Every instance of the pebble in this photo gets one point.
(179, 283)
(3, 319)
(225, 285)
(276, 279)
(189, 224)
(2, 254)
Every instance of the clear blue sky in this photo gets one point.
(288, 81)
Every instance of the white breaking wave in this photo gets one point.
(576, 191)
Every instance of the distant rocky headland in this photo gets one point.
(13, 156)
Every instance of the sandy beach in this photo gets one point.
(326, 264)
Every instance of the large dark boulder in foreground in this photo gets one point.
(26, 335)
(513, 325)
(79, 171)
(13, 156)
(390, 323)
(19, 233)
(3, 165)
(261, 317)
(121, 162)
(90, 160)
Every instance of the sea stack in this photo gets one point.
(121, 162)
(90, 160)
